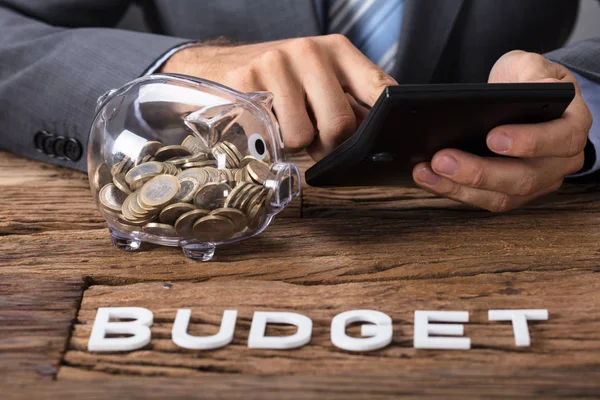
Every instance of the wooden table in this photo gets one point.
(394, 251)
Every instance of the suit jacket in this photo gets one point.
(58, 56)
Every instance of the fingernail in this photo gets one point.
(499, 142)
(427, 176)
(446, 165)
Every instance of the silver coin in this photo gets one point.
(159, 191)
(189, 186)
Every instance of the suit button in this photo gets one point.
(59, 147)
(72, 149)
(48, 145)
(39, 140)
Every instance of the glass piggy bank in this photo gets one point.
(180, 161)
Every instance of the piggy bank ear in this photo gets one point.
(263, 98)
(211, 122)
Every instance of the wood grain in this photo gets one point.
(395, 250)
(35, 323)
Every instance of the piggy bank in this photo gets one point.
(179, 161)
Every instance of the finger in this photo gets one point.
(359, 111)
(516, 177)
(360, 76)
(334, 116)
(289, 103)
(486, 199)
(563, 137)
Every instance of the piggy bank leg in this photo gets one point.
(199, 252)
(124, 242)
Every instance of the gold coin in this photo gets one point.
(200, 174)
(170, 213)
(243, 194)
(236, 216)
(140, 180)
(159, 191)
(230, 160)
(213, 173)
(246, 160)
(169, 152)
(199, 164)
(195, 144)
(256, 197)
(189, 186)
(233, 196)
(247, 200)
(119, 181)
(157, 229)
(185, 223)
(111, 198)
(102, 176)
(150, 168)
(212, 195)
(213, 228)
(126, 208)
(256, 216)
(259, 171)
(122, 166)
(149, 150)
(236, 152)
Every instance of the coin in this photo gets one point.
(200, 174)
(169, 152)
(189, 186)
(150, 169)
(259, 171)
(119, 181)
(102, 176)
(149, 150)
(212, 195)
(111, 198)
(122, 166)
(245, 161)
(236, 152)
(197, 164)
(236, 216)
(233, 196)
(159, 191)
(213, 228)
(185, 223)
(170, 213)
(247, 200)
(256, 216)
(157, 229)
(195, 144)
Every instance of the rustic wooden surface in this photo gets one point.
(393, 250)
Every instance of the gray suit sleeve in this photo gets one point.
(52, 72)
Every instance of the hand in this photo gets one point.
(540, 154)
(313, 79)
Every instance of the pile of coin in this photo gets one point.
(177, 191)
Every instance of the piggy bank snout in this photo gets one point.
(284, 183)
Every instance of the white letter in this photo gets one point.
(258, 340)
(519, 321)
(379, 330)
(139, 329)
(423, 329)
(182, 339)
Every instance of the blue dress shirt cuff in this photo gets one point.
(154, 67)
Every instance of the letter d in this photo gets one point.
(139, 329)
